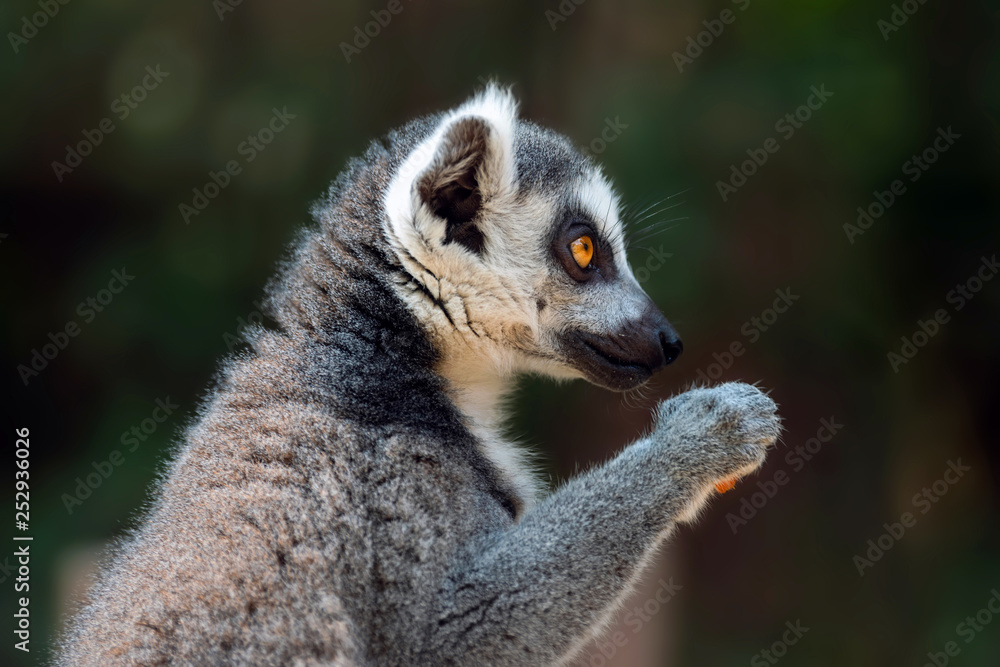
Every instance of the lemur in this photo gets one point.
(347, 495)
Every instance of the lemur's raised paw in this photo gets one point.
(720, 432)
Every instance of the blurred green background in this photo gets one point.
(672, 127)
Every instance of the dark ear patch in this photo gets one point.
(450, 186)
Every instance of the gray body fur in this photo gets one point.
(338, 503)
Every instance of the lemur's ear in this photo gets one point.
(450, 186)
(464, 167)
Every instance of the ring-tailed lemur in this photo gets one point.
(347, 497)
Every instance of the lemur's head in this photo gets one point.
(514, 253)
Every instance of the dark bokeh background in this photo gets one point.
(607, 64)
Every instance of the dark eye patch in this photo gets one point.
(573, 224)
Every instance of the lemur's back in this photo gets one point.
(286, 546)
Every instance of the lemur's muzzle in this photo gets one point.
(626, 358)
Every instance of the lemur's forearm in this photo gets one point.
(567, 561)
(546, 584)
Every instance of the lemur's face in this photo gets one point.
(514, 253)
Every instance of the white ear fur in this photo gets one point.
(406, 210)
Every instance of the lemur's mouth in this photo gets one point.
(613, 360)
(624, 359)
(605, 364)
(616, 362)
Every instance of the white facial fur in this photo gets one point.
(495, 314)
(492, 300)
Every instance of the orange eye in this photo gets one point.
(583, 251)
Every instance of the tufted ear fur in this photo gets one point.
(463, 168)
(450, 185)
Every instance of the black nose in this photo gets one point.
(671, 345)
(667, 343)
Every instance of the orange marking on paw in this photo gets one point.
(726, 484)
